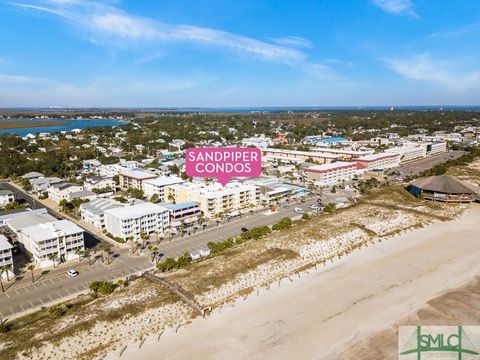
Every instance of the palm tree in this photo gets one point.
(52, 258)
(132, 240)
(1, 277)
(102, 248)
(154, 253)
(79, 252)
(88, 254)
(31, 267)
(6, 269)
(143, 237)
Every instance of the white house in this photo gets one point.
(6, 197)
(132, 221)
(99, 183)
(62, 191)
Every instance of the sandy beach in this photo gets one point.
(327, 310)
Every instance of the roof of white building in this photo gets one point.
(135, 211)
(28, 219)
(100, 205)
(379, 156)
(216, 190)
(4, 244)
(51, 230)
(164, 181)
(138, 174)
(330, 166)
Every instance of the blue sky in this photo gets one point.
(217, 53)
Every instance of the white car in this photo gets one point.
(315, 207)
(72, 273)
(298, 210)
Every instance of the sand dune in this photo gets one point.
(327, 311)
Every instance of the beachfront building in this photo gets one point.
(6, 256)
(6, 197)
(436, 148)
(380, 161)
(61, 191)
(134, 179)
(445, 188)
(216, 200)
(331, 174)
(93, 212)
(409, 153)
(157, 186)
(59, 238)
(131, 221)
(185, 214)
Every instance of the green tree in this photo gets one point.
(31, 267)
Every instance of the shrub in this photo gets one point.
(285, 223)
(4, 327)
(306, 216)
(57, 311)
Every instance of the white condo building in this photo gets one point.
(409, 153)
(60, 238)
(380, 161)
(331, 174)
(131, 221)
(157, 186)
(6, 255)
(93, 212)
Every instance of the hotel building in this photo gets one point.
(331, 174)
(380, 161)
(134, 179)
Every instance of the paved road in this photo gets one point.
(417, 166)
(21, 295)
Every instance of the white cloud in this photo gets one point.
(107, 23)
(397, 7)
(436, 71)
(293, 41)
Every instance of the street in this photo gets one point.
(54, 285)
(417, 166)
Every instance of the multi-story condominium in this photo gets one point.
(409, 153)
(132, 221)
(6, 197)
(62, 191)
(18, 213)
(436, 148)
(157, 186)
(215, 199)
(99, 182)
(6, 255)
(110, 170)
(180, 193)
(300, 156)
(188, 212)
(134, 179)
(93, 212)
(331, 174)
(380, 161)
(60, 238)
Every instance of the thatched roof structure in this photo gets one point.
(446, 184)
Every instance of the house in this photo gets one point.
(40, 185)
(33, 175)
(93, 212)
(134, 179)
(6, 197)
(83, 195)
(100, 183)
(156, 186)
(131, 221)
(61, 191)
(6, 256)
(60, 239)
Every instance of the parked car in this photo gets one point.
(315, 207)
(244, 229)
(298, 210)
(72, 273)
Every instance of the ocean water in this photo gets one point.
(72, 124)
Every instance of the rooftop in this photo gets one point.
(51, 230)
(4, 243)
(135, 211)
(331, 166)
(446, 184)
(138, 174)
(164, 181)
